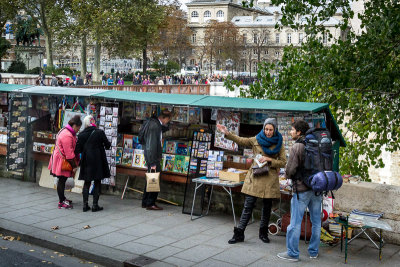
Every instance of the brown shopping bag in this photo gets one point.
(153, 181)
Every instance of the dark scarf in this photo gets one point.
(266, 142)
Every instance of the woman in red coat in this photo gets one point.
(65, 148)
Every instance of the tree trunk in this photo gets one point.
(144, 60)
(49, 49)
(47, 37)
(83, 56)
(96, 72)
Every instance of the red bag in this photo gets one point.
(286, 221)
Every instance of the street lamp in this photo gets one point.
(40, 60)
(28, 57)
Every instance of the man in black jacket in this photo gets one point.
(153, 153)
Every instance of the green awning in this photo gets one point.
(62, 91)
(4, 87)
(238, 103)
(152, 98)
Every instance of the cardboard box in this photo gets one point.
(233, 176)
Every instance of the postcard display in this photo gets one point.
(18, 116)
(201, 146)
(109, 124)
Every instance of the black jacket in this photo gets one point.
(94, 165)
(152, 147)
(79, 81)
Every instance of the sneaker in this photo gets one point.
(70, 201)
(65, 204)
(314, 257)
(285, 256)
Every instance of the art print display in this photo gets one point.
(180, 114)
(17, 125)
(231, 120)
(215, 163)
(109, 121)
(143, 111)
(194, 115)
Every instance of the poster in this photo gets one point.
(232, 121)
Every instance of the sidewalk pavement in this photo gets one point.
(124, 231)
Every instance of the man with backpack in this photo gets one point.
(302, 198)
(150, 136)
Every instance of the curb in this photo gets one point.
(135, 261)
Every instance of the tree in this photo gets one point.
(8, 11)
(260, 42)
(4, 46)
(174, 38)
(139, 22)
(46, 13)
(222, 41)
(358, 75)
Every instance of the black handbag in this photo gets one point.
(260, 171)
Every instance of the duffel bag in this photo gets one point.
(325, 181)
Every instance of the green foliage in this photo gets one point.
(358, 76)
(35, 70)
(4, 46)
(172, 67)
(17, 67)
(59, 71)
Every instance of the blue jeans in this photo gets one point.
(298, 206)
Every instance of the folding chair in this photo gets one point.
(364, 228)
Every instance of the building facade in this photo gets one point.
(261, 41)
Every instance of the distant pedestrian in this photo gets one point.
(110, 81)
(65, 149)
(92, 143)
(53, 80)
(79, 80)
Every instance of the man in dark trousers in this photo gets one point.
(153, 152)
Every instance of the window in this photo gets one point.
(289, 38)
(220, 14)
(255, 66)
(255, 38)
(195, 16)
(301, 36)
(193, 38)
(325, 38)
(277, 53)
(244, 38)
(277, 38)
(192, 62)
(255, 51)
(207, 14)
(266, 52)
(219, 51)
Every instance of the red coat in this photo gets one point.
(66, 141)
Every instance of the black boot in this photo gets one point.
(86, 207)
(96, 207)
(263, 234)
(85, 194)
(238, 236)
(96, 196)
